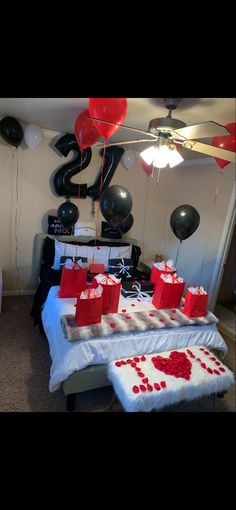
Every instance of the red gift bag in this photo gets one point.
(195, 304)
(89, 307)
(111, 292)
(73, 281)
(97, 268)
(168, 294)
(156, 272)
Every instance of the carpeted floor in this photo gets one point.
(25, 371)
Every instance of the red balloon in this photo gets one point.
(227, 142)
(110, 109)
(85, 131)
(148, 169)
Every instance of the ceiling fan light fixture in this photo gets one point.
(162, 157)
(174, 157)
(149, 154)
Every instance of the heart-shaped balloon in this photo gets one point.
(227, 142)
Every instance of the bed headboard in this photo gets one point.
(38, 248)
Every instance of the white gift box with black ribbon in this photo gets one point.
(122, 268)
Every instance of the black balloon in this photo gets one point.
(11, 131)
(116, 204)
(68, 213)
(127, 225)
(184, 221)
(62, 179)
(112, 157)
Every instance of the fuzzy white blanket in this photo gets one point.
(148, 382)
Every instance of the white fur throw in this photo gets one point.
(148, 382)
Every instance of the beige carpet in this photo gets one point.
(25, 370)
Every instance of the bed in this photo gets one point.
(82, 366)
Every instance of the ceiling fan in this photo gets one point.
(166, 133)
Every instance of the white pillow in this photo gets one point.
(85, 228)
(96, 254)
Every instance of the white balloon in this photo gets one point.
(128, 159)
(33, 136)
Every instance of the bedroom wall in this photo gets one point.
(188, 183)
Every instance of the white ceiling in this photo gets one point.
(59, 114)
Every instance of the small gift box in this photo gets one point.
(164, 267)
(121, 268)
(89, 307)
(196, 302)
(111, 292)
(73, 279)
(96, 268)
(137, 290)
(168, 291)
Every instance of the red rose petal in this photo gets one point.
(173, 318)
(201, 349)
(173, 311)
(213, 359)
(133, 304)
(133, 365)
(217, 363)
(203, 365)
(112, 325)
(136, 360)
(151, 315)
(142, 387)
(157, 386)
(124, 310)
(161, 320)
(163, 384)
(140, 374)
(135, 389)
(118, 364)
(198, 359)
(145, 380)
(206, 352)
(139, 300)
(209, 370)
(143, 358)
(138, 369)
(216, 372)
(222, 369)
(129, 360)
(128, 317)
(149, 387)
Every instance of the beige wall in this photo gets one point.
(192, 184)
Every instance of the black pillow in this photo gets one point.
(110, 232)
(55, 227)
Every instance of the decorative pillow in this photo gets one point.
(94, 254)
(110, 232)
(85, 228)
(55, 227)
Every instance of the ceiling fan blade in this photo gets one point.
(125, 127)
(99, 145)
(210, 150)
(203, 130)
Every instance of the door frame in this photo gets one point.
(223, 251)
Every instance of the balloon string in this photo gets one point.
(144, 215)
(101, 179)
(16, 222)
(167, 219)
(209, 223)
(177, 256)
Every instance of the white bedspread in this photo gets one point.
(68, 357)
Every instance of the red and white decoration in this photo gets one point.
(153, 381)
(164, 267)
(196, 302)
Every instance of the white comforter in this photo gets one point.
(68, 357)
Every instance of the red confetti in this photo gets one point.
(151, 315)
(157, 386)
(163, 384)
(143, 358)
(112, 325)
(145, 380)
(149, 387)
(135, 389)
(222, 369)
(142, 387)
